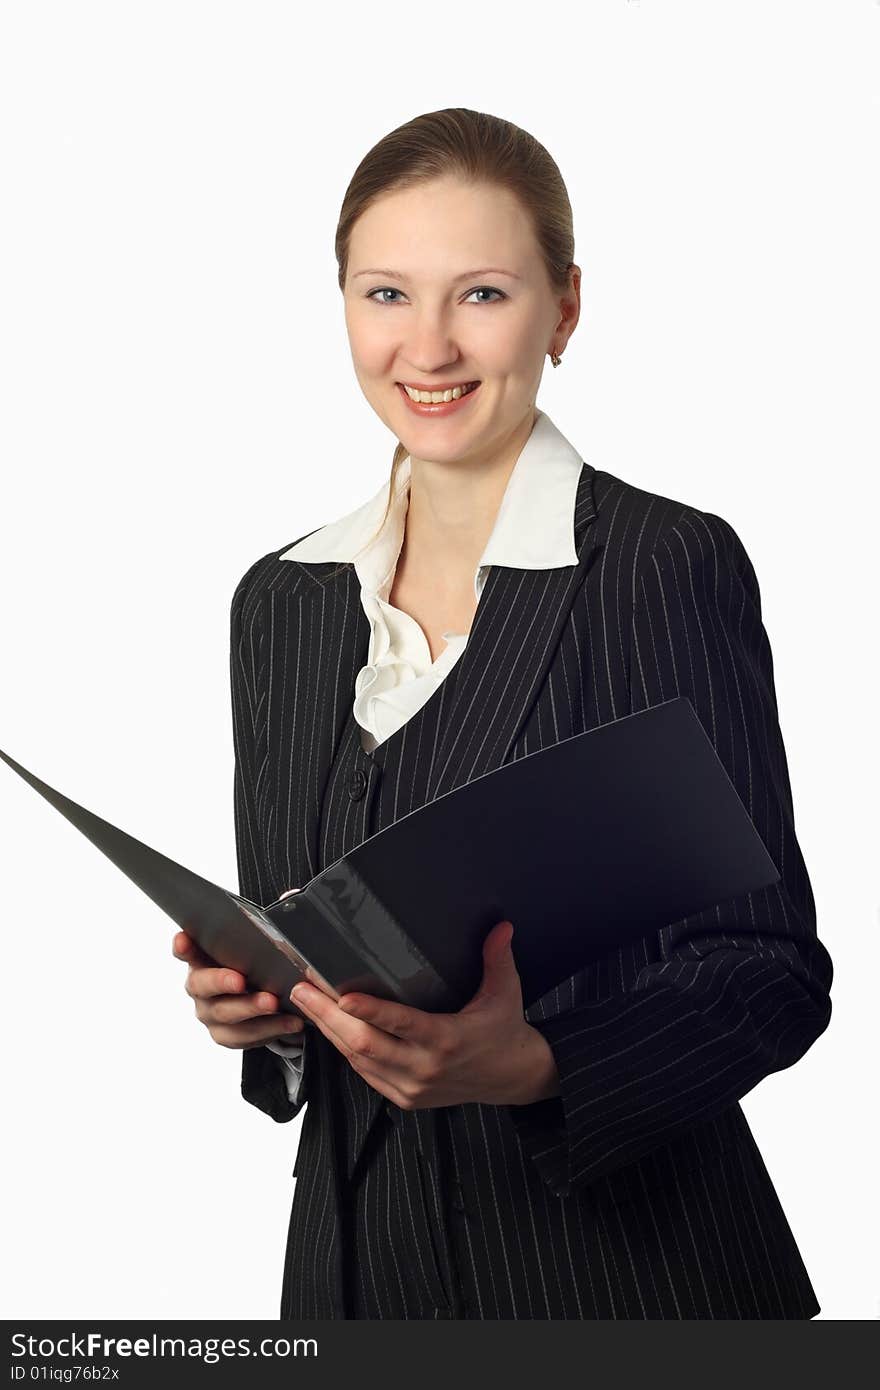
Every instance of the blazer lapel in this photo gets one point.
(323, 644)
(513, 638)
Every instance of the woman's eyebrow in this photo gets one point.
(465, 275)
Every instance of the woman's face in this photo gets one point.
(446, 286)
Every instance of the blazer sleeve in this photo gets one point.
(731, 993)
(263, 1074)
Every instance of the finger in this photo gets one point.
(313, 978)
(353, 1037)
(319, 1022)
(205, 983)
(232, 1008)
(184, 948)
(398, 1019)
(381, 1083)
(252, 1032)
(286, 1026)
(500, 982)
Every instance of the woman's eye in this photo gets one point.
(381, 290)
(387, 289)
(487, 289)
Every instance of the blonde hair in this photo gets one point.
(477, 148)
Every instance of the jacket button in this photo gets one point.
(390, 1109)
(357, 785)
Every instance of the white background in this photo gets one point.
(178, 399)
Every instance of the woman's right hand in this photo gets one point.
(232, 1017)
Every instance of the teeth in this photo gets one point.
(435, 397)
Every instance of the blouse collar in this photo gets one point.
(534, 526)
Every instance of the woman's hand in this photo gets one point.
(486, 1052)
(233, 1018)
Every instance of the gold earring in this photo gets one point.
(555, 359)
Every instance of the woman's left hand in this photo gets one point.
(486, 1052)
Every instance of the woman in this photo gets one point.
(587, 1158)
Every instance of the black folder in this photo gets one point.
(598, 840)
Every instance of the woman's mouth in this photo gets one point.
(443, 401)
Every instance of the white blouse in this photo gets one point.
(534, 529)
(400, 675)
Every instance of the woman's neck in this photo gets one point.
(453, 507)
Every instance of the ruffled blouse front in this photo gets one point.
(400, 675)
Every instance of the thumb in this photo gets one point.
(500, 975)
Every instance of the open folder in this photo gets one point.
(597, 840)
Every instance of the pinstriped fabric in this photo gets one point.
(738, 991)
(639, 1191)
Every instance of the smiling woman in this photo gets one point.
(432, 326)
(437, 400)
(587, 1158)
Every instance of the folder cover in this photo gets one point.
(598, 840)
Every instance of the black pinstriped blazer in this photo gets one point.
(647, 1169)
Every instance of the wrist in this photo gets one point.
(538, 1075)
